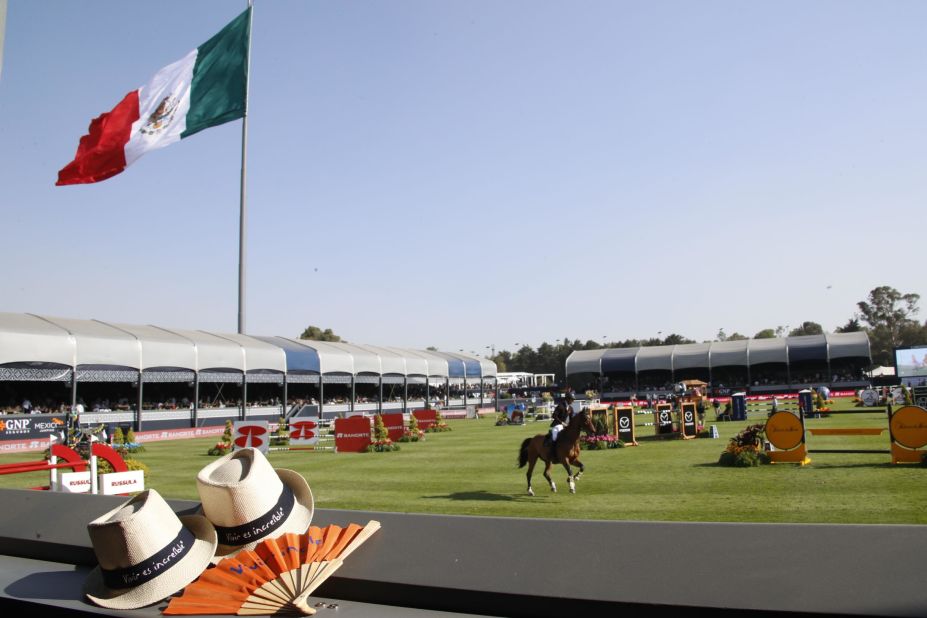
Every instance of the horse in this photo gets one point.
(566, 452)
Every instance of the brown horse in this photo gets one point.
(566, 452)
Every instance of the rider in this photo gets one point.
(560, 418)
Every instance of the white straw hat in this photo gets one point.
(247, 500)
(146, 552)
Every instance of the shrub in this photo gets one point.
(440, 423)
(744, 449)
(118, 437)
(600, 442)
(224, 445)
(282, 436)
(221, 448)
(381, 440)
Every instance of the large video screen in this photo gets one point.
(911, 362)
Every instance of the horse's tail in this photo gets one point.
(523, 453)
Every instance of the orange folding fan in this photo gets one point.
(276, 577)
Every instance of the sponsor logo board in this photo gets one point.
(122, 482)
(909, 427)
(352, 434)
(304, 432)
(425, 418)
(784, 430)
(394, 425)
(251, 434)
(74, 482)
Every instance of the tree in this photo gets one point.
(888, 315)
(500, 361)
(735, 336)
(314, 333)
(852, 326)
(766, 333)
(807, 328)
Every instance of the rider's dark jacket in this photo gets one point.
(561, 414)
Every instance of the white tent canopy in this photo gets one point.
(63, 344)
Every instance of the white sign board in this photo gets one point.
(251, 434)
(122, 482)
(304, 431)
(870, 398)
(74, 482)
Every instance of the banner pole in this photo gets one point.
(243, 212)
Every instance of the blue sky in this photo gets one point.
(469, 174)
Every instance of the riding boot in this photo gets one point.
(553, 452)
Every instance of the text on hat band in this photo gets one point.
(260, 527)
(161, 561)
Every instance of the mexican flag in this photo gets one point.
(205, 88)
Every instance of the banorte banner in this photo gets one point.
(253, 434)
(304, 431)
(394, 425)
(352, 434)
(425, 418)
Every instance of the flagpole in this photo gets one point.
(243, 211)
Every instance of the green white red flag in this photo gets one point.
(205, 88)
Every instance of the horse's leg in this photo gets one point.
(570, 480)
(532, 459)
(553, 486)
(582, 468)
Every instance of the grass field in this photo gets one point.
(472, 471)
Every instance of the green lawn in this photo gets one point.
(472, 471)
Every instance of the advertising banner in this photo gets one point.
(663, 418)
(515, 412)
(425, 418)
(920, 396)
(251, 434)
(739, 406)
(30, 426)
(74, 482)
(117, 483)
(624, 425)
(394, 425)
(805, 402)
(304, 431)
(689, 420)
(870, 398)
(909, 427)
(352, 434)
(784, 431)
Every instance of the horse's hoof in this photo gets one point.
(530, 492)
(553, 488)
(572, 490)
